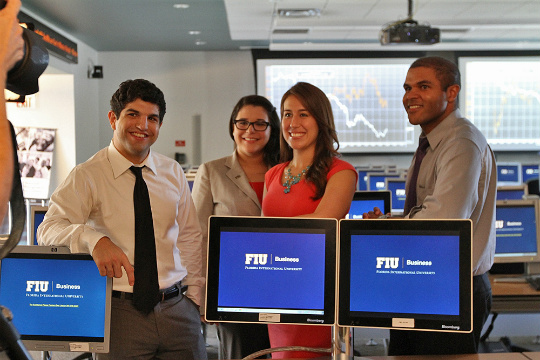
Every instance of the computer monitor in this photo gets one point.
(530, 171)
(512, 192)
(406, 274)
(517, 231)
(365, 201)
(271, 270)
(58, 300)
(37, 214)
(376, 181)
(190, 177)
(396, 186)
(363, 178)
(509, 173)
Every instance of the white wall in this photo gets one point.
(75, 117)
(85, 93)
(54, 108)
(194, 83)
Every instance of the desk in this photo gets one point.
(513, 297)
(493, 356)
(532, 355)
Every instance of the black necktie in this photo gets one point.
(146, 288)
(410, 201)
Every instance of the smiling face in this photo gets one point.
(299, 127)
(135, 129)
(251, 142)
(426, 103)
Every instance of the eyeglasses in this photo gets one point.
(257, 126)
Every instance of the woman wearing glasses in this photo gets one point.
(233, 185)
(311, 182)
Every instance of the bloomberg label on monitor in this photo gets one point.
(271, 273)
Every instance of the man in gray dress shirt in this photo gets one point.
(457, 179)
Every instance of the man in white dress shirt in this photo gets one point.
(92, 212)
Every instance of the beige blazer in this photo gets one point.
(222, 188)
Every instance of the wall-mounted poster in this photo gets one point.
(35, 152)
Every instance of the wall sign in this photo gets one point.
(55, 43)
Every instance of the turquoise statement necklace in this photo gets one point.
(291, 180)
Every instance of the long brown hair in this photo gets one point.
(317, 104)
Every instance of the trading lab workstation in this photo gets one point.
(425, 284)
(310, 263)
(512, 292)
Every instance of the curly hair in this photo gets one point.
(131, 90)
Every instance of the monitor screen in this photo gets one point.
(190, 177)
(509, 174)
(529, 171)
(363, 177)
(396, 186)
(376, 181)
(37, 214)
(512, 192)
(517, 231)
(365, 201)
(271, 270)
(58, 300)
(406, 274)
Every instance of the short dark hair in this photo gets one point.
(446, 71)
(131, 90)
(271, 150)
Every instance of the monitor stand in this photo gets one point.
(508, 269)
(532, 268)
(342, 349)
(529, 269)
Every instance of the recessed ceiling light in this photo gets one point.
(194, 32)
(200, 42)
(299, 13)
(181, 6)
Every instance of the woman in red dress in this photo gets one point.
(312, 182)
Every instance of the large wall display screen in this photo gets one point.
(366, 97)
(501, 96)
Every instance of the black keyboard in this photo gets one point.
(534, 281)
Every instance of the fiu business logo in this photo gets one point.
(37, 286)
(388, 262)
(500, 224)
(258, 259)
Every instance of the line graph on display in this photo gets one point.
(366, 101)
(357, 118)
(503, 101)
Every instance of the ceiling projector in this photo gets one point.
(409, 32)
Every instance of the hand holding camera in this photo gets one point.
(11, 40)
